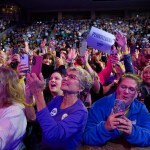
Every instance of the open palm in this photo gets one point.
(120, 39)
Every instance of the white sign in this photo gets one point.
(100, 39)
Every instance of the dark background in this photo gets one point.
(41, 9)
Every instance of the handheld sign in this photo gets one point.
(100, 39)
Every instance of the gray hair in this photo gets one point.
(85, 78)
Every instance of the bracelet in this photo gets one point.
(125, 52)
(21, 80)
(87, 66)
(122, 66)
(29, 105)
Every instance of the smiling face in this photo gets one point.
(127, 90)
(71, 82)
(55, 83)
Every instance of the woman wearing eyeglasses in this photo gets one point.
(129, 123)
(64, 118)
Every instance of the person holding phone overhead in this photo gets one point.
(129, 124)
(64, 118)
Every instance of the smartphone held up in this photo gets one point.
(24, 59)
(119, 106)
(37, 65)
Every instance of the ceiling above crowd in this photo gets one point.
(50, 5)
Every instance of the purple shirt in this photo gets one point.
(62, 128)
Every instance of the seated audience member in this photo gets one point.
(144, 94)
(13, 120)
(131, 125)
(64, 118)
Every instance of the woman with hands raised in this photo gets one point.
(63, 119)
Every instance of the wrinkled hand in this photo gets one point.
(113, 121)
(125, 125)
(35, 84)
(121, 40)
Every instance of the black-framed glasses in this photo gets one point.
(131, 90)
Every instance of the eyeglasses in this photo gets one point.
(72, 77)
(131, 90)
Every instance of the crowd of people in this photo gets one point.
(5, 23)
(71, 102)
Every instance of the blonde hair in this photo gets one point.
(12, 89)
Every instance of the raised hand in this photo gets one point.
(51, 43)
(36, 84)
(86, 57)
(15, 57)
(26, 49)
(21, 68)
(121, 39)
(114, 58)
(43, 44)
(72, 54)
